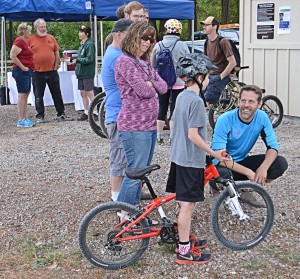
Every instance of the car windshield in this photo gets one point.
(230, 34)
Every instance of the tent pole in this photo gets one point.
(96, 46)
(2, 49)
(193, 31)
(101, 39)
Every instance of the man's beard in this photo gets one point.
(41, 34)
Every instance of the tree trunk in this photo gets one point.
(225, 11)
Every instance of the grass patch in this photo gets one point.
(283, 255)
(32, 253)
(255, 264)
(168, 248)
(40, 254)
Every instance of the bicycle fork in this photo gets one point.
(233, 202)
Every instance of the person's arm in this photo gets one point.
(230, 66)
(14, 52)
(89, 56)
(234, 166)
(137, 80)
(269, 138)
(57, 60)
(261, 172)
(194, 136)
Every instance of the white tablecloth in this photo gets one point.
(65, 86)
(76, 92)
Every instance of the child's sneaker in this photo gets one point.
(25, 123)
(198, 244)
(194, 256)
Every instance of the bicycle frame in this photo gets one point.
(210, 172)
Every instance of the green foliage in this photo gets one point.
(205, 8)
(66, 33)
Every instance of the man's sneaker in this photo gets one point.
(82, 117)
(64, 117)
(160, 140)
(252, 199)
(194, 256)
(195, 243)
(40, 120)
(25, 123)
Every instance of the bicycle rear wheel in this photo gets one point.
(96, 236)
(95, 105)
(102, 118)
(273, 108)
(245, 234)
(226, 102)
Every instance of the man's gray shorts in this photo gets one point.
(117, 158)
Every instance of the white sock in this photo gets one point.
(114, 195)
(86, 112)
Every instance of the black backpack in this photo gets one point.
(235, 51)
(165, 65)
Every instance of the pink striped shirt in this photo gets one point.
(139, 101)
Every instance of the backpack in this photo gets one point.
(165, 65)
(235, 51)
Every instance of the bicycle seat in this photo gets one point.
(139, 173)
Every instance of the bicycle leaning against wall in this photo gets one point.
(229, 100)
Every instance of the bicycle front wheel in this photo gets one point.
(244, 234)
(97, 231)
(272, 106)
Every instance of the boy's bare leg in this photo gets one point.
(184, 220)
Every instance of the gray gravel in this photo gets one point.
(52, 174)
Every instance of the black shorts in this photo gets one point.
(188, 183)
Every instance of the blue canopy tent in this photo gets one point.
(158, 9)
(50, 10)
(82, 10)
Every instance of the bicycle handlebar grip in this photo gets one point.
(226, 154)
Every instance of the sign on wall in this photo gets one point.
(284, 15)
(265, 21)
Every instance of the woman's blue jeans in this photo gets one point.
(138, 149)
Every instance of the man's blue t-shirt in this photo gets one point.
(238, 137)
(113, 100)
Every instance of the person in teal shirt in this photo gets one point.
(238, 130)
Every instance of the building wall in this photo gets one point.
(274, 63)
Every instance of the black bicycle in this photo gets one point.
(97, 124)
(229, 100)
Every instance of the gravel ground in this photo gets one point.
(52, 174)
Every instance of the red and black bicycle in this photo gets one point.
(116, 234)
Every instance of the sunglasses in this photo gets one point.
(147, 38)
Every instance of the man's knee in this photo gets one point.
(278, 168)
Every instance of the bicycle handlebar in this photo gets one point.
(244, 67)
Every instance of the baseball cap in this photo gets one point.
(121, 25)
(210, 20)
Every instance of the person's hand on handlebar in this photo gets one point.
(222, 155)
